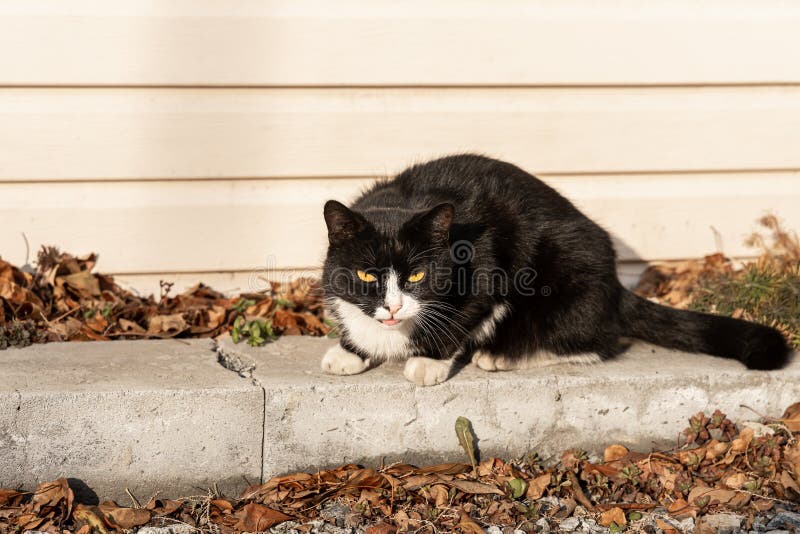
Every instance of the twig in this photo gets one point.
(754, 411)
(580, 496)
(764, 497)
(134, 500)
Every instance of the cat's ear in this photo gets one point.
(434, 223)
(343, 224)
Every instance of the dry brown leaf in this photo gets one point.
(680, 509)
(570, 459)
(614, 452)
(88, 516)
(445, 469)
(467, 525)
(97, 322)
(439, 494)
(381, 528)
(666, 527)
(254, 517)
(166, 506)
(475, 488)
(714, 495)
(735, 481)
(402, 520)
(124, 518)
(29, 521)
(789, 483)
(417, 481)
(83, 282)
(260, 308)
(127, 326)
(762, 505)
(715, 449)
(171, 325)
(11, 498)
(53, 494)
(791, 417)
(614, 515)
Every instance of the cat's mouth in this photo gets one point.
(391, 322)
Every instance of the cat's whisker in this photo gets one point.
(445, 314)
(447, 320)
(441, 307)
(442, 322)
(433, 332)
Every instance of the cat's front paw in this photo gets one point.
(340, 361)
(491, 362)
(426, 371)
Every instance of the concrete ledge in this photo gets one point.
(147, 415)
(642, 399)
(165, 415)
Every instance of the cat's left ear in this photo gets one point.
(434, 223)
(343, 223)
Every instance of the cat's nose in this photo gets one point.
(394, 308)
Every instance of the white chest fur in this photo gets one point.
(379, 341)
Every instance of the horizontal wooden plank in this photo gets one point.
(369, 42)
(228, 282)
(236, 282)
(50, 134)
(244, 225)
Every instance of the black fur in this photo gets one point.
(527, 247)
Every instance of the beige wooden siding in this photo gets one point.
(199, 139)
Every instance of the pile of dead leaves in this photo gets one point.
(766, 290)
(63, 300)
(719, 468)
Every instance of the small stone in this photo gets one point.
(172, 529)
(570, 524)
(542, 525)
(720, 522)
(759, 430)
(590, 526)
(335, 512)
(760, 523)
(686, 526)
(494, 530)
(580, 511)
(785, 520)
(594, 459)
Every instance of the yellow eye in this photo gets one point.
(365, 277)
(416, 277)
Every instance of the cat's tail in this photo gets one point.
(757, 346)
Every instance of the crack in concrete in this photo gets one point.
(244, 367)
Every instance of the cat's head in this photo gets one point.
(392, 267)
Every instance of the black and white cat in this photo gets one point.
(470, 257)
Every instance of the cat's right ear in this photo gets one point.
(343, 224)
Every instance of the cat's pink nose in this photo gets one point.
(394, 309)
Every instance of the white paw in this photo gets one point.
(426, 371)
(491, 362)
(339, 361)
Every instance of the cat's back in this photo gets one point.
(466, 180)
(463, 178)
